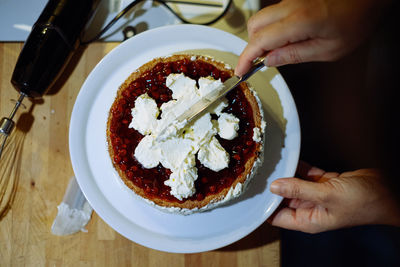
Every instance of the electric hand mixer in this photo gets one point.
(53, 40)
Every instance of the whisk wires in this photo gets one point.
(9, 164)
(10, 167)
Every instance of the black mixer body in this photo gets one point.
(53, 40)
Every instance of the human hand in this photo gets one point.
(295, 31)
(329, 200)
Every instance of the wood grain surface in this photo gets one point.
(37, 169)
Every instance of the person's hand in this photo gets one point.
(329, 200)
(295, 31)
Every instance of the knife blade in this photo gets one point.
(200, 106)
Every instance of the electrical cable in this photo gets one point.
(226, 9)
(165, 4)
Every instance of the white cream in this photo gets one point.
(144, 115)
(182, 182)
(217, 107)
(146, 153)
(228, 125)
(178, 147)
(234, 192)
(256, 134)
(213, 155)
(202, 130)
(175, 151)
(184, 94)
(208, 85)
(181, 85)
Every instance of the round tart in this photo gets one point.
(211, 188)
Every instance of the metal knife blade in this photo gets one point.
(212, 97)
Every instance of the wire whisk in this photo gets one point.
(9, 164)
(10, 170)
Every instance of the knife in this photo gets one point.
(197, 108)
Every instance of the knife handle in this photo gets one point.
(257, 65)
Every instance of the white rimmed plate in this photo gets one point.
(132, 217)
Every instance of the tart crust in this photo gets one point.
(213, 199)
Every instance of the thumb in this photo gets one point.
(300, 52)
(294, 188)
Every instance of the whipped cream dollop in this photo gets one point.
(258, 132)
(178, 149)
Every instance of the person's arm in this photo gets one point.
(295, 31)
(323, 201)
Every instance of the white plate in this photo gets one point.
(132, 217)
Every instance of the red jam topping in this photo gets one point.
(124, 139)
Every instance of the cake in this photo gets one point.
(206, 163)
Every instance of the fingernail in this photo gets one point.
(273, 60)
(270, 60)
(237, 73)
(266, 61)
(275, 187)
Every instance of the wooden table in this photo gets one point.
(41, 170)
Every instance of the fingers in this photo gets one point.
(304, 51)
(265, 17)
(307, 171)
(312, 173)
(299, 221)
(295, 188)
(284, 218)
(362, 172)
(273, 36)
(289, 219)
(299, 204)
(290, 54)
(245, 60)
(288, 33)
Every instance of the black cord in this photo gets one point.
(188, 22)
(165, 4)
(112, 22)
(192, 3)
